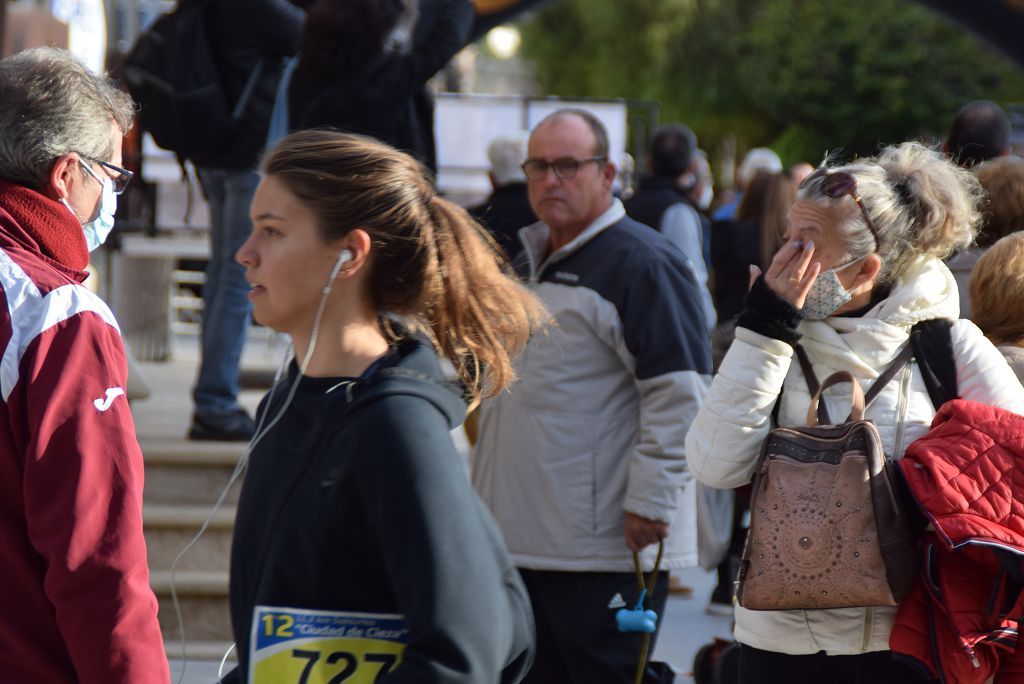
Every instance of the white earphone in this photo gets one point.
(343, 258)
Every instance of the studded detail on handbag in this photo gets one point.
(827, 528)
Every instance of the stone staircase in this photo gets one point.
(181, 488)
(182, 485)
(183, 481)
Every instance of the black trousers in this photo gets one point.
(768, 667)
(578, 641)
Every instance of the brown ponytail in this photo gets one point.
(430, 262)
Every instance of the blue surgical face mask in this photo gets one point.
(97, 230)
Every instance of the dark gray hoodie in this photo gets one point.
(357, 501)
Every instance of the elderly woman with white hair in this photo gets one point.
(508, 207)
(860, 266)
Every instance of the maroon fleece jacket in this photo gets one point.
(75, 600)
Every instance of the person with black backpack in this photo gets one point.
(250, 41)
(350, 76)
(205, 76)
(859, 275)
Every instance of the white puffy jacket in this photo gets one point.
(724, 440)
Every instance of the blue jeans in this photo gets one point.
(226, 306)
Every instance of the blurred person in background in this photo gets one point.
(1002, 213)
(348, 76)
(250, 40)
(1003, 209)
(698, 184)
(997, 298)
(659, 203)
(757, 159)
(508, 207)
(752, 237)
(980, 131)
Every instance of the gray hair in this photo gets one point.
(506, 154)
(922, 205)
(52, 104)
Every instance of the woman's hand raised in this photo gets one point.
(791, 273)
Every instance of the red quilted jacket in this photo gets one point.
(961, 621)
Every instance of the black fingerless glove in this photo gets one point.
(770, 315)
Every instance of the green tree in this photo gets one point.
(859, 75)
(803, 76)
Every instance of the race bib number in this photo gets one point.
(299, 646)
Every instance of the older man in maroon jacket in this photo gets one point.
(75, 601)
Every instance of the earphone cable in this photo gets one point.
(243, 462)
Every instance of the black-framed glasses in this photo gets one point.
(838, 184)
(564, 167)
(120, 179)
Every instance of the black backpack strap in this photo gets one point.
(247, 90)
(932, 342)
(888, 374)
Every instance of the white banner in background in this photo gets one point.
(87, 29)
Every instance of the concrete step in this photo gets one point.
(203, 600)
(179, 471)
(170, 528)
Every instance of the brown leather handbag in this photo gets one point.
(827, 528)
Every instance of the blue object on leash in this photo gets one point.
(638, 619)
(645, 621)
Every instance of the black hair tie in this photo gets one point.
(902, 188)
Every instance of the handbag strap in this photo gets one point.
(856, 396)
(812, 382)
(815, 388)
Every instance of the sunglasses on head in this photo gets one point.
(838, 184)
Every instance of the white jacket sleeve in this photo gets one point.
(725, 438)
(981, 370)
(657, 471)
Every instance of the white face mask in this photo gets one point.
(97, 230)
(827, 294)
(706, 197)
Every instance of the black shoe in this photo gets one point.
(236, 426)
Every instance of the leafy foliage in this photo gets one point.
(802, 76)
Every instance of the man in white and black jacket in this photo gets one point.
(582, 461)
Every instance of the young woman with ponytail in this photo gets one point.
(360, 548)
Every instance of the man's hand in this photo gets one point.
(642, 532)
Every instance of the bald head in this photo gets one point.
(601, 147)
(576, 142)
